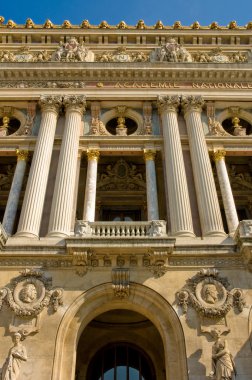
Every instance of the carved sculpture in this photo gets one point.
(67, 24)
(48, 24)
(195, 25)
(30, 293)
(159, 25)
(1, 20)
(121, 282)
(104, 25)
(11, 24)
(140, 24)
(29, 24)
(72, 51)
(85, 24)
(238, 129)
(122, 25)
(122, 55)
(214, 25)
(208, 294)
(5, 126)
(222, 360)
(177, 25)
(171, 52)
(216, 128)
(17, 354)
(217, 56)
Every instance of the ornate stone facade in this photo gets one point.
(125, 200)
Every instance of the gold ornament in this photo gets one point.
(149, 154)
(93, 154)
(22, 155)
(218, 155)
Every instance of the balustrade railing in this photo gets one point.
(154, 228)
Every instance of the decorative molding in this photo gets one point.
(192, 103)
(122, 55)
(3, 237)
(121, 282)
(168, 103)
(171, 51)
(72, 51)
(208, 294)
(30, 293)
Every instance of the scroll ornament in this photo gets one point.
(209, 295)
(30, 293)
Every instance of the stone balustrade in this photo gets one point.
(154, 228)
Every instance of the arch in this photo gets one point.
(131, 114)
(100, 299)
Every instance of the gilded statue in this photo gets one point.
(140, 24)
(222, 360)
(232, 25)
(11, 24)
(17, 354)
(177, 25)
(5, 126)
(104, 25)
(122, 25)
(1, 20)
(67, 24)
(159, 25)
(195, 25)
(214, 25)
(249, 25)
(85, 24)
(238, 129)
(29, 24)
(48, 24)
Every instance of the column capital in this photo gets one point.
(50, 103)
(93, 154)
(218, 155)
(168, 103)
(22, 155)
(75, 103)
(149, 154)
(192, 103)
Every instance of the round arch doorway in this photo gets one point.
(120, 345)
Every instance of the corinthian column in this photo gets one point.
(179, 204)
(63, 196)
(15, 191)
(151, 184)
(33, 203)
(209, 210)
(90, 192)
(226, 191)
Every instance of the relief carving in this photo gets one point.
(222, 360)
(17, 354)
(172, 51)
(72, 51)
(208, 294)
(122, 55)
(216, 129)
(217, 56)
(121, 282)
(30, 293)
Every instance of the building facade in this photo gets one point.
(125, 201)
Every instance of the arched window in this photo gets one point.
(121, 361)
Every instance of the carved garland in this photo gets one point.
(30, 293)
(208, 294)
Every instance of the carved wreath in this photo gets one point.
(30, 293)
(208, 294)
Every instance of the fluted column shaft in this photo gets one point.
(226, 191)
(90, 191)
(33, 203)
(151, 184)
(208, 204)
(15, 191)
(179, 204)
(63, 196)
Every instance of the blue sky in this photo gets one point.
(187, 11)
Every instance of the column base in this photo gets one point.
(57, 234)
(183, 234)
(26, 234)
(215, 233)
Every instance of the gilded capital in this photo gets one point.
(93, 154)
(50, 103)
(75, 103)
(149, 154)
(22, 155)
(168, 103)
(218, 155)
(192, 103)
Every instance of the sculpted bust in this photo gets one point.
(210, 293)
(29, 293)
